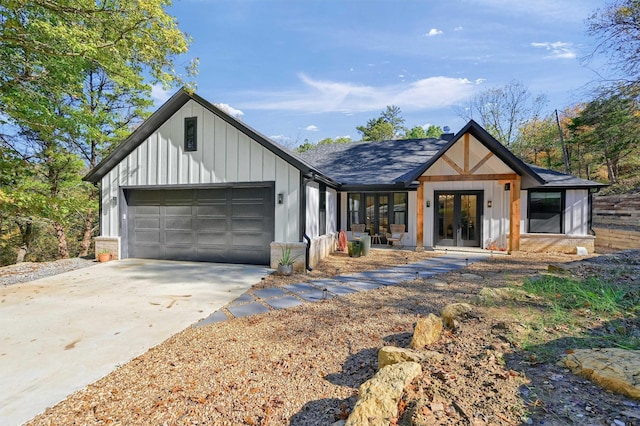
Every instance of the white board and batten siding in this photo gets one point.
(224, 155)
(576, 212)
(313, 204)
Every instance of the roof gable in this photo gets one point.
(166, 111)
(492, 145)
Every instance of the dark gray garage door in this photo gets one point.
(231, 225)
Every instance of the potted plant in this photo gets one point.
(104, 255)
(285, 264)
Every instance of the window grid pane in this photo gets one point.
(545, 212)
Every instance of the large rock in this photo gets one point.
(453, 311)
(389, 355)
(378, 397)
(612, 368)
(427, 331)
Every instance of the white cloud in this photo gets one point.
(458, 28)
(434, 32)
(333, 96)
(236, 113)
(558, 49)
(159, 94)
(311, 128)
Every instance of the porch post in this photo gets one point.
(514, 221)
(420, 218)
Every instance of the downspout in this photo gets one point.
(590, 203)
(303, 216)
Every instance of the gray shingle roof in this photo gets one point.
(397, 162)
(373, 163)
(554, 179)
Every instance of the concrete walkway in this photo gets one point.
(263, 300)
(61, 333)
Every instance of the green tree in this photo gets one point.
(392, 116)
(306, 146)
(416, 132)
(389, 125)
(46, 47)
(72, 78)
(503, 110)
(609, 126)
(538, 143)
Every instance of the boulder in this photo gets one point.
(389, 355)
(617, 370)
(453, 311)
(378, 397)
(427, 331)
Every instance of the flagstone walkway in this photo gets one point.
(258, 301)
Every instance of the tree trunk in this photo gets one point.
(26, 231)
(85, 244)
(63, 250)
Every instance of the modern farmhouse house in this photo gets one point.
(193, 183)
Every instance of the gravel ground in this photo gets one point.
(303, 365)
(31, 271)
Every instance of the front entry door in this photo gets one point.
(458, 218)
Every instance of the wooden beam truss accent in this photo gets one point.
(453, 164)
(420, 218)
(481, 162)
(466, 153)
(465, 178)
(514, 220)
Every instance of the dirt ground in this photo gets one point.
(303, 366)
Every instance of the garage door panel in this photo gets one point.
(247, 210)
(145, 237)
(148, 210)
(176, 237)
(178, 223)
(203, 225)
(233, 225)
(244, 240)
(212, 239)
(177, 210)
(256, 225)
(147, 223)
(212, 210)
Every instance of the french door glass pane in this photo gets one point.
(400, 208)
(354, 209)
(370, 211)
(468, 209)
(445, 217)
(383, 212)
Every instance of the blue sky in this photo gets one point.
(311, 69)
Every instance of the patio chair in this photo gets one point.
(395, 237)
(357, 230)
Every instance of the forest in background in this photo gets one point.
(75, 80)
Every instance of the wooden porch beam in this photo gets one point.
(453, 178)
(420, 218)
(514, 220)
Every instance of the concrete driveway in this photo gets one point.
(61, 333)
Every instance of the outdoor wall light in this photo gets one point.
(428, 203)
(280, 198)
(114, 201)
(489, 203)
